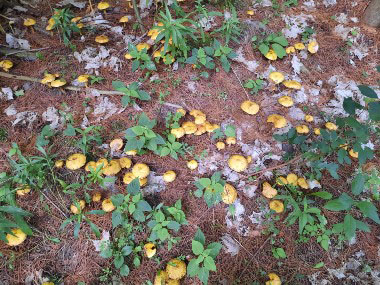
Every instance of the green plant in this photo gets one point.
(88, 135)
(3, 135)
(171, 147)
(210, 188)
(278, 253)
(175, 31)
(230, 131)
(205, 257)
(43, 138)
(307, 33)
(141, 59)
(142, 137)
(62, 22)
(203, 16)
(254, 85)
(291, 3)
(223, 53)
(201, 57)
(230, 28)
(172, 120)
(95, 79)
(274, 41)
(132, 92)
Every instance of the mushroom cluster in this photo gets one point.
(174, 272)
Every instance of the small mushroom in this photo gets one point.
(132, 152)
(290, 50)
(102, 161)
(169, 176)
(140, 170)
(96, 197)
(178, 132)
(112, 168)
(353, 153)
(23, 190)
(6, 65)
(271, 55)
(29, 22)
(83, 79)
(317, 131)
(201, 129)
(48, 78)
(299, 46)
(16, 238)
(75, 161)
(309, 118)
(237, 163)
(276, 77)
(160, 278)
(189, 127)
(192, 164)
(116, 144)
(302, 129)
(142, 46)
(59, 163)
(286, 101)
(231, 140)
(250, 107)
(292, 179)
(182, 111)
(331, 126)
(281, 180)
(150, 249)
(250, 12)
(128, 178)
(74, 208)
(125, 162)
(302, 183)
(220, 145)
(124, 20)
(229, 194)
(103, 6)
(176, 269)
(273, 279)
(199, 117)
(292, 84)
(313, 47)
(277, 120)
(91, 165)
(102, 39)
(277, 206)
(128, 56)
(107, 205)
(268, 191)
(58, 83)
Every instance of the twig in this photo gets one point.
(26, 50)
(241, 84)
(137, 14)
(59, 209)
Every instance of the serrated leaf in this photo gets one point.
(357, 185)
(369, 210)
(197, 247)
(349, 227)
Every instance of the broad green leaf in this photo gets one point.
(197, 247)
(374, 111)
(205, 182)
(70, 131)
(279, 50)
(357, 185)
(367, 91)
(319, 265)
(200, 237)
(124, 270)
(192, 268)
(127, 250)
(214, 248)
(118, 261)
(369, 210)
(209, 263)
(350, 106)
(322, 194)
(349, 226)
(264, 49)
(203, 275)
(281, 40)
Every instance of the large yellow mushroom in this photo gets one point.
(189, 127)
(178, 132)
(169, 176)
(107, 205)
(58, 83)
(250, 107)
(102, 39)
(48, 78)
(103, 6)
(277, 206)
(237, 163)
(302, 129)
(277, 120)
(299, 46)
(125, 162)
(292, 179)
(271, 55)
(75, 161)
(16, 238)
(276, 77)
(140, 170)
(112, 168)
(23, 190)
(176, 269)
(229, 194)
(286, 101)
(269, 191)
(292, 84)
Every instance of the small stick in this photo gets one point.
(241, 84)
(137, 14)
(26, 50)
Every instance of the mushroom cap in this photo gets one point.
(59, 163)
(6, 64)
(17, 238)
(302, 129)
(23, 190)
(299, 46)
(97, 197)
(317, 131)
(74, 208)
(80, 25)
(142, 46)
(290, 49)
(231, 140)
(143, 181)
(277, 120)
(292, 84)
(269, 191)
(75, 19)
(169, 176)
(107, 205)
(292, 179)
(273, 279)
(150, 249)
(83, 78)
(89, 165)
(161, 277)
(140, 170)
(49, 27)
(281, 180)
(331, 126)
(51, 22)
(103, 5)
(112, 168)
(353, 153)
(48, 78)
(271, 55)
(276, 77)
(189, 127)
(182, 111)
(125, 162)
(131, 152)
(285, 101)
(302, 183)
(249, 158)
(309, 118)
(58, 83)
(128, 177)
(277, 206)
(199, 116)
(116, 144)
(75, 161)
(250, 107)
(220, 145)
(192, 164)
(176, 269)
(313, 47)
(250, 12)
(102, 39)
(229, 194)
(237, 163)
(173, 281)
(128, 56)
(211, 127)
(102, 161)
(201, 129)
(48, 283)
(29, 22)
(124, 19)
(178, 132)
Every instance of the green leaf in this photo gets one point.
(367, 91)
(127, 250)
(205, 182)
(215, 248)
(350, 106)
(279, 50)
(203, 275)
(124, 270)
(344, 202)
(200, 237)
(374, 111)
(322, 194)
(197, 247)
(357, 185)
(319, 265)
(362, 226)
(192, 268)
(264, 49)
(118, 261)
(135, 65)
(164, 151)
(117, 219)
(349, 227)
(230, 131)
(70, 131)
(209, 263)
(369, 210)
(133, 188)
(281, 40)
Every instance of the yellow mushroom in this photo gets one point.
(29, 22)
(250, 12)
(286, 101)
(58, 83)
(16, 238)
(292, 179)
(199, 116)
(102, 39)
(91, 165)
(292, 84)
(182, 111)
(74, 208)
(142, 46)
(6, 65)
(231, 140)
(176, 269)
(23, 190)
(237, 163)
(201, 129)
(273, 279)
(103, 162)
(302, 183)
(281, 180)
(103, 5)
(268, 191)
(150, 249)
(290, 50)
(353, 153)
(140, 170)
(132, 152)
(116, 144)
(313, 47)
(48, 78)
(220, 145)
(277, 120)
(317, 131)
(271, 55)
(59, 163)
(75, 161)
(309, 118)
(169, 176)
(128, 56)
(128, 177)
(276, 77)
(250, 107)
(277, 206)
(189, 127)
(302, 129)
(249, 158)
(125, 162)
(229, 194)
(107, 205)
(96, 197)
(112, 168)
(192, 164)
(299, 46)
(178, 132)
(331, 126)
(160, 278)
(75, 19)
(83, 79)
(124, 20)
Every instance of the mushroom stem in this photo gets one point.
(32, 29)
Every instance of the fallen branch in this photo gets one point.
(74, 88)
(241, 84)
